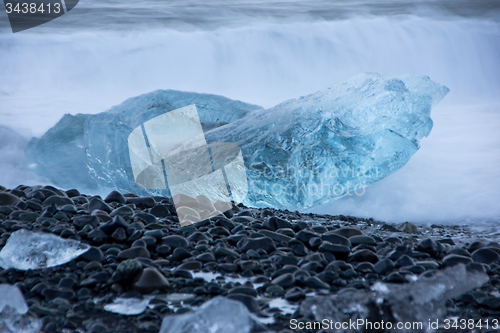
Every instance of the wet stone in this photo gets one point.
(339, 251)
(148, 219)
(126, 272)
(454, 259)
(175, 241)
(8, 199)
(305, 235)
(264, 243)
(122, 211)
(206, 257)
(135, 252)
(142, 202)
(404, 260)
(363, 255)
(285, 280)
(180, 254)
(81, 221)
(485, 256)
(115, 196)
(110, 227)
(357, 240)
(408, 228)
(336, 239)
(97, 204)
(58, 201)
(429, 246)
(348, 232)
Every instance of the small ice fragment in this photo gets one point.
(421, 301)
(283, 305)
(220, 315)
(380, 287)
(12, 296)
(207, 276)
(13, 308)
(33, 250)
(128, 306)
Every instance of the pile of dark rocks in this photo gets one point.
(138, 247)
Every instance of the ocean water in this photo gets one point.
(264, 52)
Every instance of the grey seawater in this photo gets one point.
(265, 52)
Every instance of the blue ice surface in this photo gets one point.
(301, 153)
(90, 152)
(307, 151)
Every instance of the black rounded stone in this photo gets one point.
(315, 283)
(274, 223)
(7, 199)
(460, 252)
(396, 278)
(160, 211)
(135, 252)
(57, 200)
(305, 235)
(363, 255)
(264, 243)
(93, 254)
(110, 226)
(97, 204)
(115, 196)
(285, 280)
(335, 238)
(81, 221)
(175, 241)
(142, 202)
(429, 246)
(314, 243)
(485, 256)
(163, 250)
(348, 232)
(197, 236)
(144, 217)
(454, 259)
(404, 260)
(191, 265)
(180, 254)
(339, 251)
(361, 239)
(126, 272)
(122, 211)
(206, 257)
(475, 246)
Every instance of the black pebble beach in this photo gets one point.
(138, 247)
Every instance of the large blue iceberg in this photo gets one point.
(298, 154)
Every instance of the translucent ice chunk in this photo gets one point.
(13, 308)
(308, 151)
(128, 306)
(12, 296)
(299, 154)
(33, 250)
(219, 315)
(422, 301)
